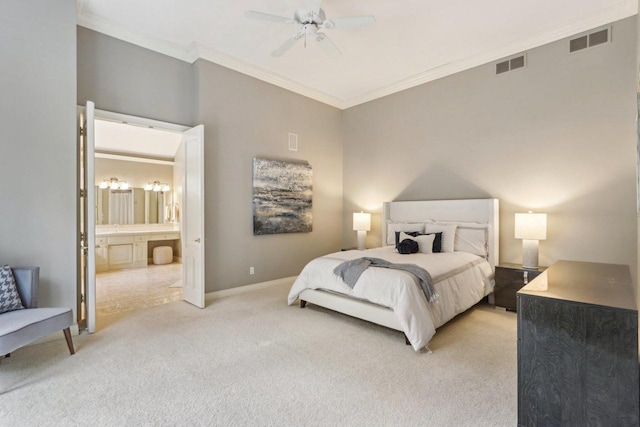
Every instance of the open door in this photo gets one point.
(190, 160)
(87, 263)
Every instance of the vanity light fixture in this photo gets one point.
(114, 184)
(157, 186)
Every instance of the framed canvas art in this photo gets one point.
(282, 197)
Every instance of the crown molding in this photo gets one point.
(148, 42)
(235, 64)
(195, 51)
(627, 9)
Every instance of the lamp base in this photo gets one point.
(362, 235)
(529, 253)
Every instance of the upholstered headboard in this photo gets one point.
(466, 210)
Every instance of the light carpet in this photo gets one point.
(251, 360)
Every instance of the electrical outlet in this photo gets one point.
(251, 270)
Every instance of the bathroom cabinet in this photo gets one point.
(102, 254)
(120, 256)
(119, 250)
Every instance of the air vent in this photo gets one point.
(293, 142)
(510, 64)
(589, 40)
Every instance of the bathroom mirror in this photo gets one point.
(132, 206)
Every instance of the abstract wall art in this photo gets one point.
(282, 197)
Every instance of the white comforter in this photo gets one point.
(461, 280)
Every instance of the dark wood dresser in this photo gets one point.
(578, 347)
(509, 279)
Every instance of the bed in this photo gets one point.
(462, 274)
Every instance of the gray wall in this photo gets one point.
(243, 118)
(38, 141)
(556, 137)
(124, 78)
(246, 118)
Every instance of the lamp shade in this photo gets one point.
(361, 221)
(531, 226)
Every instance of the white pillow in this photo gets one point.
(448, 234)
(425, 243)
(473, 240)
(472, 237)
(464, 224)
(404, 235)
(393, 226)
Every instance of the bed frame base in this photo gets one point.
(338, 302)
(357, 308)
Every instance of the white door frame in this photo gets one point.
(135, 121)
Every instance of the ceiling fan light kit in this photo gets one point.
(310, 22)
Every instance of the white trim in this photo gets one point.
(193, 52)
(240, 66)
(133, 159)
(629, 8)
(211, 296)
(139, 121)
(109, 28)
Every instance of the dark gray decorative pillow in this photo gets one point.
(9, 297)
(408, 246)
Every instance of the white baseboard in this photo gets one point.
(210, 296)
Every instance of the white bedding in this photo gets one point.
(460, 279)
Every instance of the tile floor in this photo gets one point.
(121, 292)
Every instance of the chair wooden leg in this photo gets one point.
(67, 336)
(303, 303)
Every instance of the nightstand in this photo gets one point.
(509, 279)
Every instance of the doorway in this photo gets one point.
(137, 211)
(148, 216)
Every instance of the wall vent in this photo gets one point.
(590, 40)
(510, 64)
(293, 142)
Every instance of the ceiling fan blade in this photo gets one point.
(350, 22)
(285, 46)
(328, 46)
(267, 17)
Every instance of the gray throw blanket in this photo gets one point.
(350, 271)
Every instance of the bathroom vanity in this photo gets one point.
(129, 246)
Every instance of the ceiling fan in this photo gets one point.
(309, 22)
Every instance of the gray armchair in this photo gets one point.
(21, 327)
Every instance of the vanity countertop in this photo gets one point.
(125, 232)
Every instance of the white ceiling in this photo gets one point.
(135, 141)
(413, 41)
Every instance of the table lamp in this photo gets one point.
(531, 228)
(361, 224)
